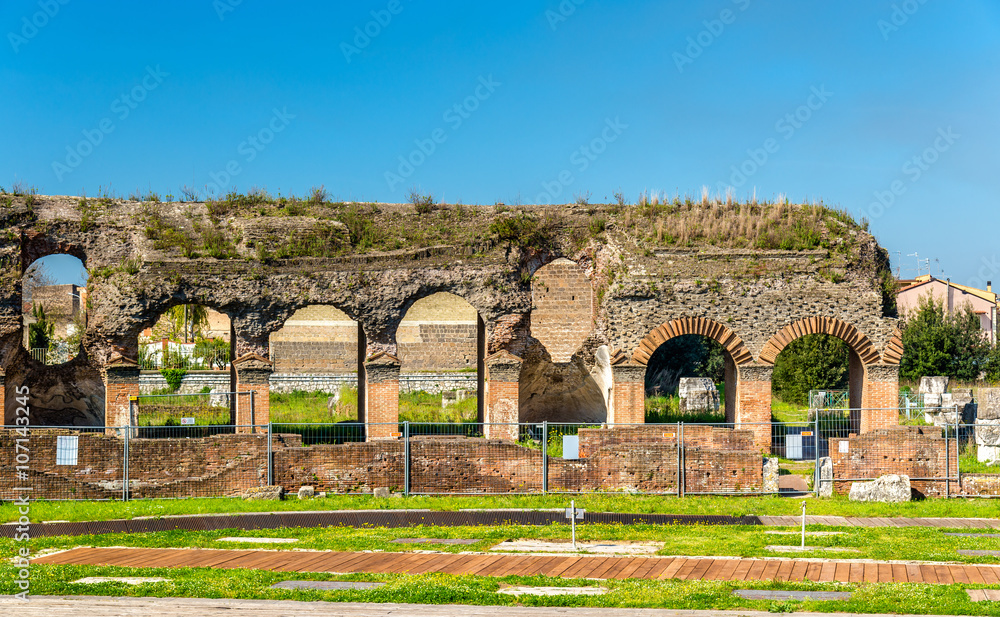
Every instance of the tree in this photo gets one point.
(812, 362)
(936, 343)
(183, 323)
(42, 331)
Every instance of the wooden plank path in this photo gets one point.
(565, 566)
(850, 521)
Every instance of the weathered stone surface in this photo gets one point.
(697, 395)
(381, 491)
(264, 493)
(826, 477)
(886, 489)
(770, 475)
(306, 492)
(933, 385)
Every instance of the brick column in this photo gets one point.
(880, 397)
(253, 374)
(381, 396)
(628, 393)
(503, 396)
(121, 383)
(753, 401)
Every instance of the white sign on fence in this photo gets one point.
(187, 421)
(571, 447)
(67, 448)
(843, 445)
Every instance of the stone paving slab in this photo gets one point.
(979, 553)
(847, 521)
(435, 541)
(553, 591)
(597, 548)
(783, 548)
(97, 606)
(974, 535)
(326, 585)
(984, 595)
(128, 580)
(259, 540)
(779, 594)
(808, 533)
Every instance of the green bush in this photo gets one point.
(173, 376)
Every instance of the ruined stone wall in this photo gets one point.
(594, 288)
(920, 452)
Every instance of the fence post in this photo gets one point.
(816, 442)
(680, 448)
(270, 456)
(406, 457)
(947, 462)
(125, 453)
(958, 450)
(678, 435)
(545, 456)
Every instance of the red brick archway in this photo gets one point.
(729, 340)
(857, 341)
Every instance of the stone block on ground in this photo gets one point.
(933, 385)
(697, 395)
(826, 477)
(381, 491)
(886, 489)
(988, 426)
(260, 493)
(770, 475)
(306, 492)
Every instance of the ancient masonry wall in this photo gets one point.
(919, 452)
(227, 465)
(562, 311)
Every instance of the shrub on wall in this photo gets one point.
(174, 376)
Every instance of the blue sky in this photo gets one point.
(886, 109)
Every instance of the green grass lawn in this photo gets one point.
(595, 502)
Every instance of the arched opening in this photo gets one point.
(439, 350)
(818, 384)
(686, 380)
(54, 308)
(184, 362)
(316, 362)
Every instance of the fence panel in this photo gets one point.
(61, 462)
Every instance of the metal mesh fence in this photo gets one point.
(220, 460)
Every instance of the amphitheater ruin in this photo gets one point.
(556, 310)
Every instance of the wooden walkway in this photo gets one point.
(565, 566)
(850, 521)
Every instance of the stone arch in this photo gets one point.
(729, 340)
(855, 339)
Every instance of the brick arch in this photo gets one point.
(894, 350)
(821, 325)
(729, 340)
